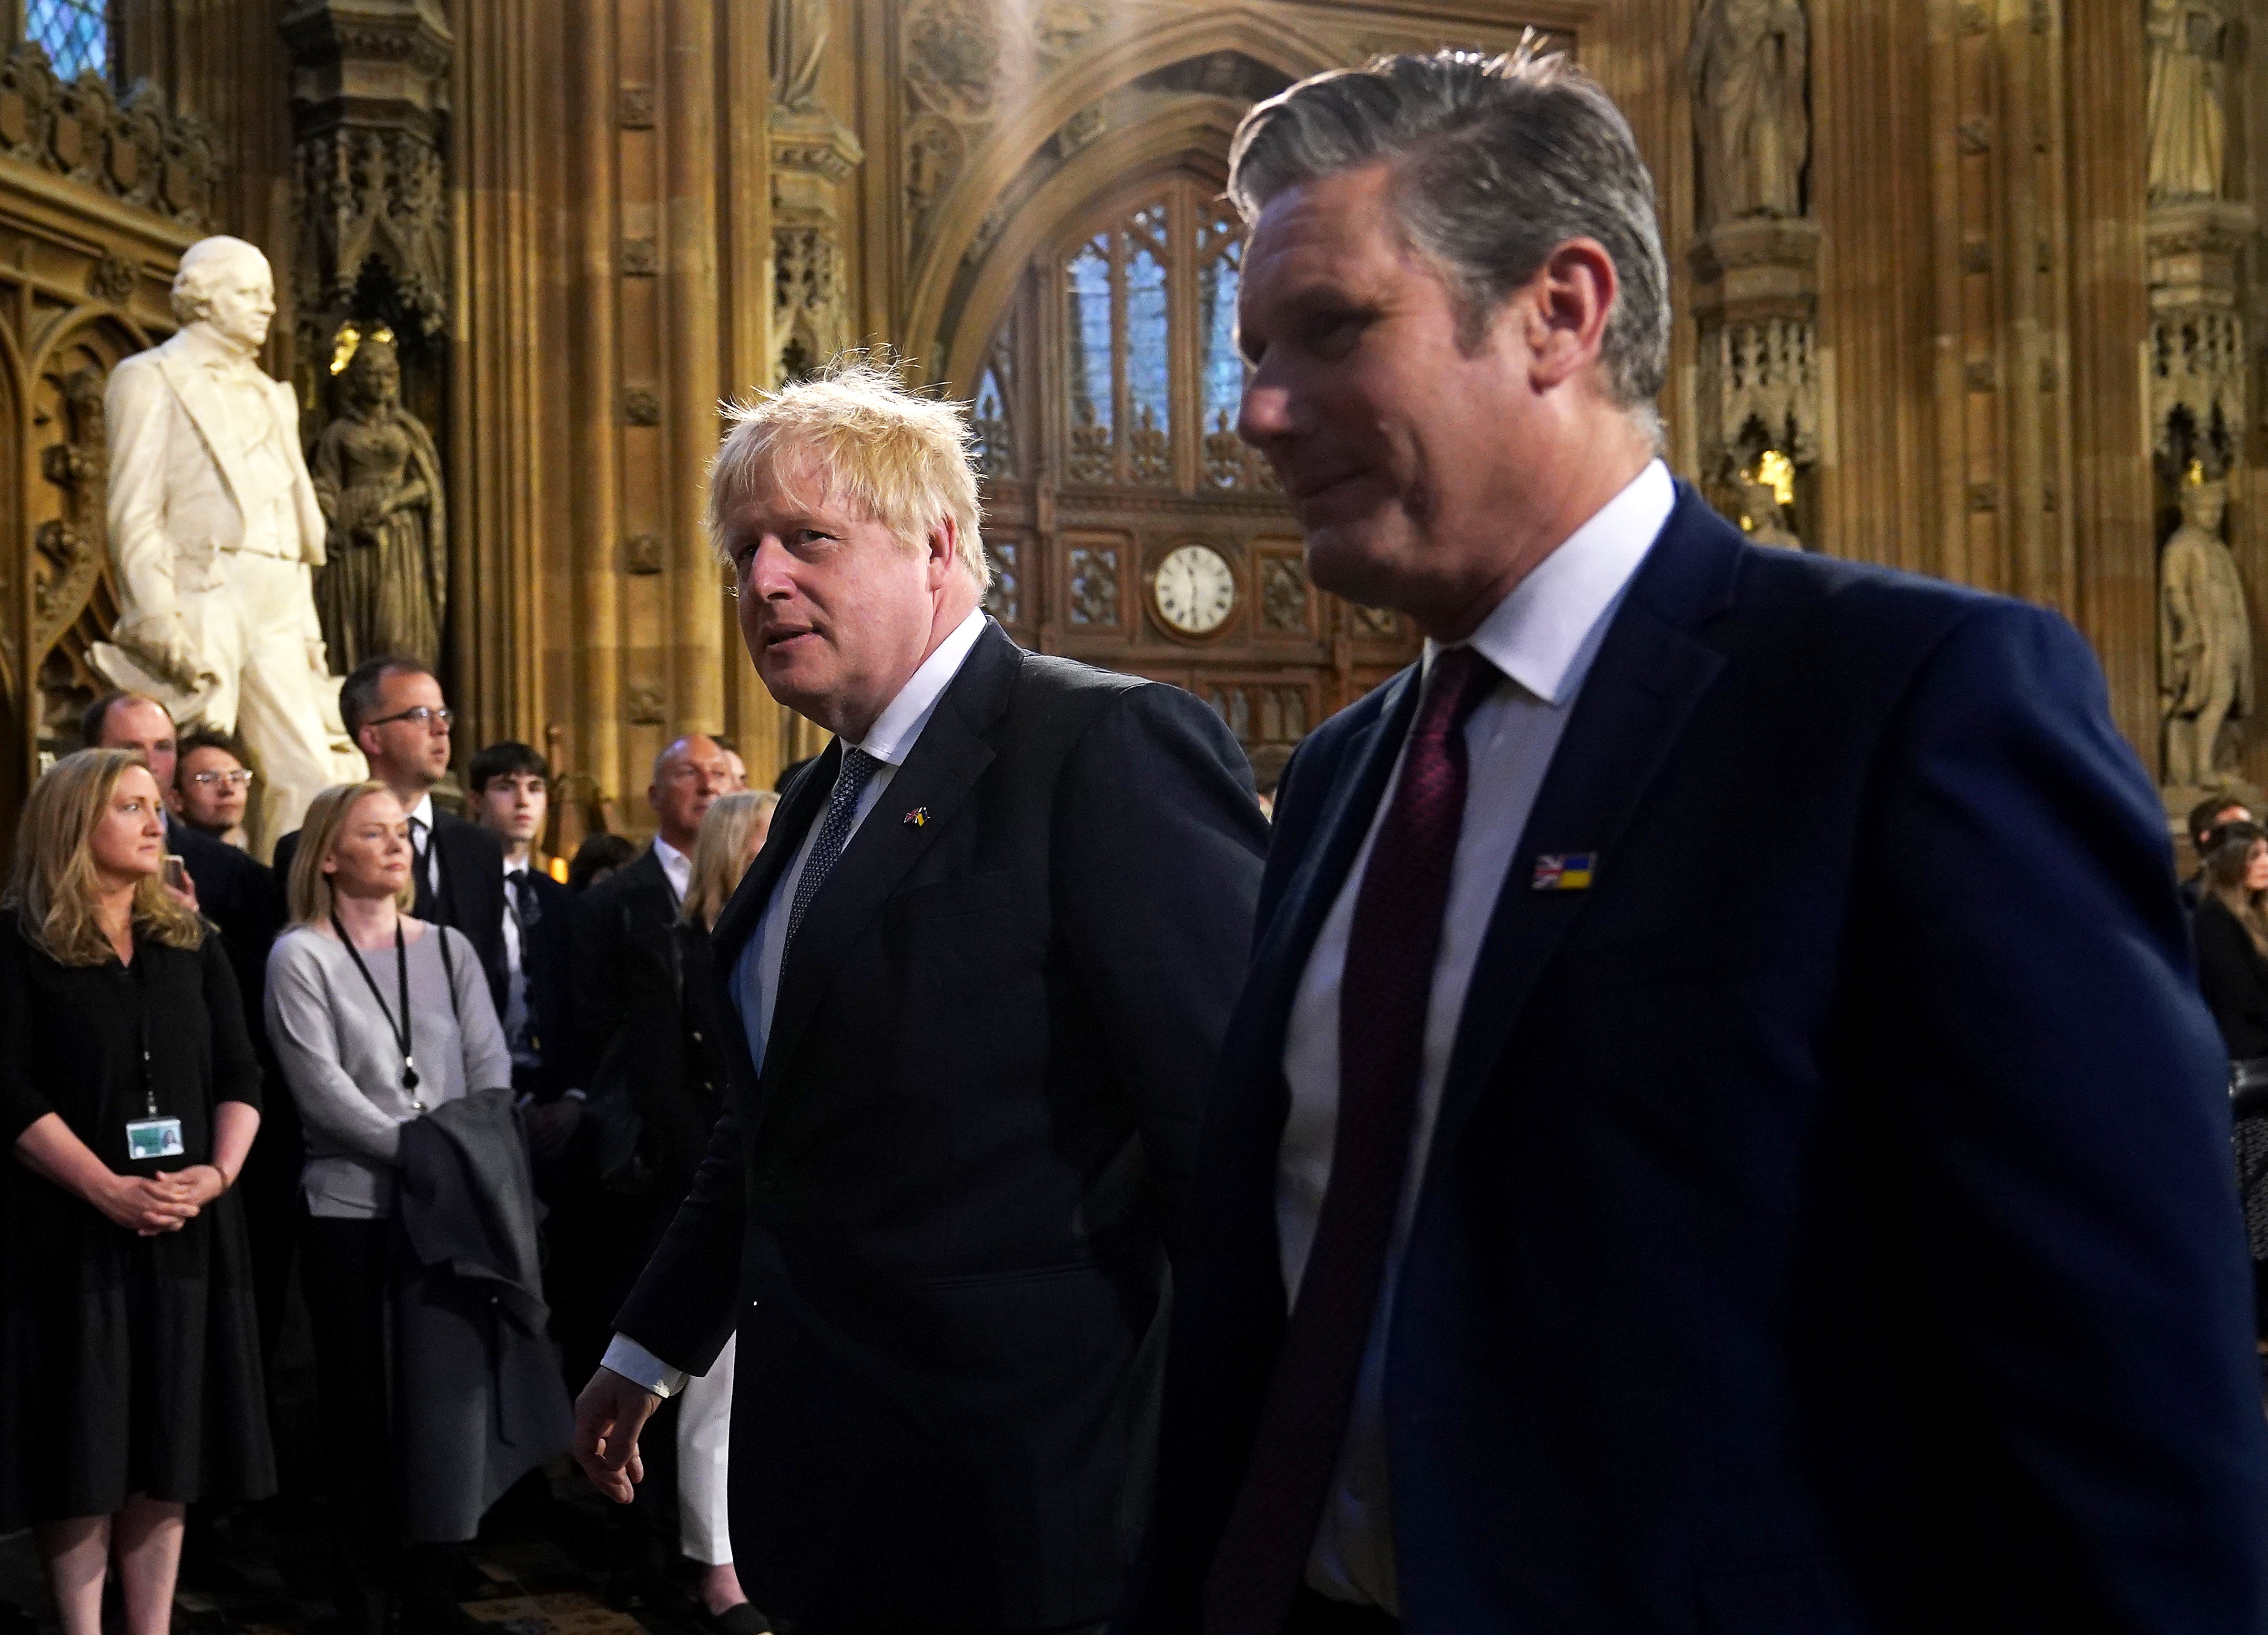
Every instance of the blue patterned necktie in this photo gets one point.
(834, 833)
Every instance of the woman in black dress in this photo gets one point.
(2231, 934)
(130, 1362)
(2232, 944)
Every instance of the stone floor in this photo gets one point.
(263, 1570)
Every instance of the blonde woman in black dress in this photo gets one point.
(129, 1363)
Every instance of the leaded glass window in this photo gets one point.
(1151, 378)
(75, 33)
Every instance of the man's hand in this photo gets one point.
(163, 643)
(608, 1415)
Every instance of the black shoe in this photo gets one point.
(742, 1619)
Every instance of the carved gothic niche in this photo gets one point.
(369, 94)
(813, 153)
(1756, 265)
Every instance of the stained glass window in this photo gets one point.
(1220, 366)
(996, 433)
(1151, 381)
(1094, 403)
(76, 35)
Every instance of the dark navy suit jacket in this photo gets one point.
(1831, 1225)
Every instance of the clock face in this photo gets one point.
(1196, 590)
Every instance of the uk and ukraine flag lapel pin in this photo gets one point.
(918, 816)
(1563, 871)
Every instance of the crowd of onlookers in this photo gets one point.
(449, 1089)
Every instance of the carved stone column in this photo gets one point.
(812, 152)
(369, 94)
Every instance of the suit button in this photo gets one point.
(697, 1036)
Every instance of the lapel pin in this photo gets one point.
(918, 816)
(1569, 871)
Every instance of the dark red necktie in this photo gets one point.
(1382, 1002)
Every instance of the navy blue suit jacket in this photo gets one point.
(1831, 1225)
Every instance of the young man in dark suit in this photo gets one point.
(979, 973)
(510, 785)
(1719, 1133)
(393, 709)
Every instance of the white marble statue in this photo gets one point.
(1747, 66)
(215, 534)
(2188, 122)
(2205, 652)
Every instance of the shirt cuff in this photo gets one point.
(641, 1367)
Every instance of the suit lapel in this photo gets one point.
(201, 400)
(1286, 942)
(943, 765)
(1650, 673)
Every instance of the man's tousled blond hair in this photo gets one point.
(900, 459)
(55, 884)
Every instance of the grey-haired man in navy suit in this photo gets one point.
(1719, 1133)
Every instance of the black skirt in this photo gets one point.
(127, 1365)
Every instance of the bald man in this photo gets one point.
(600, 1233)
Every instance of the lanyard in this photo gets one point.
(401, 1030)
(141, 1016)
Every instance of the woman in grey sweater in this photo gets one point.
(377, 1018)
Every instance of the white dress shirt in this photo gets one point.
(756, 976)
(675, 865)
(1543, 637)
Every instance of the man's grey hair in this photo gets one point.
(1497, 161)
(203, 265)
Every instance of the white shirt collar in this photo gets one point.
(674, 863)
(1538, 633)
(891, 738)
(423, 812)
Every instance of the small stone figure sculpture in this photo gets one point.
(2205, 643)
(378, 478)
(799, 44)
(2188, 122)
(1747, 66)
(1761, 517)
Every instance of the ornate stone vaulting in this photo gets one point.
(1977, 288)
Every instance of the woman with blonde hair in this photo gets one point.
(130, 1357)
(667, 1064)
(377, 1018)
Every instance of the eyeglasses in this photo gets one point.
(424, 715)
(238, 780)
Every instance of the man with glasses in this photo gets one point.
(211, 787)
(394, 711)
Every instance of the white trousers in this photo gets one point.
(704, 1458)
(252, 631)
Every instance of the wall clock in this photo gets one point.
(1194, 590)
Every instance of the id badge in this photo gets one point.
(154, 1137)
